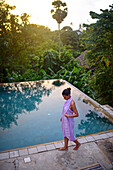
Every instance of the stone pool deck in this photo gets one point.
(96, 148)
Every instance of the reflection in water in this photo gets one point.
(18, 98)
(58, 83)
(94, 123)
(85, 101)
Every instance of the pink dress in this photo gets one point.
(68, 123)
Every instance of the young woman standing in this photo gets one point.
(67, 120)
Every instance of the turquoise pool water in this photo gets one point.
(30, 114)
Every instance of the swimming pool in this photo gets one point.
(30, 113)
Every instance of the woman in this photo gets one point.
(67, 120)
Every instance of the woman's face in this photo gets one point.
(66, 97)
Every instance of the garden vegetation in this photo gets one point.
(30, 52)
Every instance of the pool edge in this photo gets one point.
(49, 143)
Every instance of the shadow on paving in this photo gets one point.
(106, 147)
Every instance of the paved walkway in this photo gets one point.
(95, 148)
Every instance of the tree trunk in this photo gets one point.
(59, 37)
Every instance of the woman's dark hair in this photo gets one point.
(66, 91)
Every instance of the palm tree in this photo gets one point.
(59, 13)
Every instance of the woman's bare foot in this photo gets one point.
(77, 146)
(63, 149)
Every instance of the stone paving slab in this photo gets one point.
(107, 109)
(89, 138)
(4, 155)
(110, 134)
(41, 148)
(103, 136)
(97, 137)
(23, 152)
(82, 140)
(111, 113)
(70, 143)
(14, 154)
(50, 147)
(107, 148)
(7, 165)
(96, 153)
(32, 150)
(58, 145)
(100, 136)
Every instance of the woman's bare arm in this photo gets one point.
(73, 107)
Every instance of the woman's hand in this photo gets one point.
(66, 115)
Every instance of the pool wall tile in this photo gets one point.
(41, 148)
(50, 147)
(23, 152)
(14, 154)
(4, 155)
(58, 145)
(32, 150)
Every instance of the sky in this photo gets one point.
(78, 11)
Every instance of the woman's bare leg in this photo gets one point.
(66, 142)
(77, 145)
(65, 145)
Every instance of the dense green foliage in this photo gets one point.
(98, 39)
(70, 37)
(31, 52)
(28, 51)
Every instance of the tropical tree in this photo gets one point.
(69, 37)
(98, 39)
(6, 20)
(59, 13)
